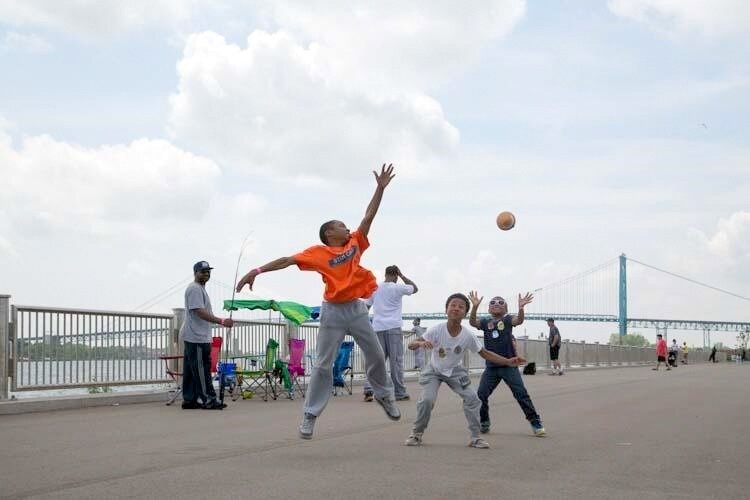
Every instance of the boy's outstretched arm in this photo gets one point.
(522, 302)
(475, 301)
(274, 265)
(500, 360)
(383, 179)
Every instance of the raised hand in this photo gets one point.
(385, 176)
(522, 301)
(248, 279)
(475, 299)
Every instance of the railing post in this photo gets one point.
(5, 349)
(567, 353)
(596, 353)
(583, 353)
(176, 346)
(290, 331)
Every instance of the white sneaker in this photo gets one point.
(307, 426)
(414, 439)
(390, 407)
(478, 443)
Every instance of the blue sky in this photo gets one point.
(139, 137)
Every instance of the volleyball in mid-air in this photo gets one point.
(506, 220)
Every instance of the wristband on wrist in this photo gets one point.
(258, 270)
(221, 321)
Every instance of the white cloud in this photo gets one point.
(95, 18)
(397, 44)
(711, 18)
(730, 242)
(56, 187)
(273, 108)
(330, 86)
(20, 42)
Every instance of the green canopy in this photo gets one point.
(293, 311)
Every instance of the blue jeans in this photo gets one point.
(491, 378)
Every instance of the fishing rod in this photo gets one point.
(222, 376)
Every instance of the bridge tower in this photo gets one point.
(623, 297)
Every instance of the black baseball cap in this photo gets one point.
(201, 266)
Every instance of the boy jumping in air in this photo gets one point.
(342, 311)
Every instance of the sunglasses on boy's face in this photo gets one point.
(497, 302)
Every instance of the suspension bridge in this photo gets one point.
(598, 295)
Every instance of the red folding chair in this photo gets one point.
(174, 365)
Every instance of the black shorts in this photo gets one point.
(661, 358)
(554, 353)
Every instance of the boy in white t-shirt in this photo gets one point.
(449, 341)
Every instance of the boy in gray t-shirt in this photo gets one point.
(449, 342)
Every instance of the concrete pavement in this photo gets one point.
(616, 433)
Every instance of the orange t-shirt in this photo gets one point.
(345, 279)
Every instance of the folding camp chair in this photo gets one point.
(173, 368)
(227, 369)
(257, 372)
(342, 369)
(296, 367)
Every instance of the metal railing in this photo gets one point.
(53, 348)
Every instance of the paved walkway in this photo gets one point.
(615, 433)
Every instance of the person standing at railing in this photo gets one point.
(419, 353)
(498, 338)
(386, 303)
(342, 311)
(554, 347)
(684, 353)
(197, 384)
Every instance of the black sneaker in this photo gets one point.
(191, 405)
(214, 405)
(368, 397)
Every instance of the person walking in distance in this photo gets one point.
(386, 321)
(197, 384)
(554, 347)
(661, 352)
(712, 357)
(342, 312)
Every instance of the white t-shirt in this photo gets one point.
(386, 304)
(448, 352)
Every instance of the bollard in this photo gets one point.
(567, 353)
(5, 350)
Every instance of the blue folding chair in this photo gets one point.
(342, 369)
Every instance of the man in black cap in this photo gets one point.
(196, 335)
